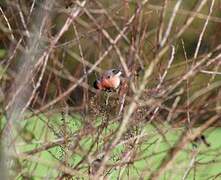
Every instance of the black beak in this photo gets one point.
(96, 84)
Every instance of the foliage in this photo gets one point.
(163, 121)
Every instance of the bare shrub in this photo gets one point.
(162, 122)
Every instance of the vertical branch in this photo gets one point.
(203, 30)
(8, 24)
(161, 25)
(170, 24)
(187, 83)
(162, 78)
(85, 98)
(23, 19)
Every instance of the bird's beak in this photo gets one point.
(96, 86)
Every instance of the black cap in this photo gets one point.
(115, 71)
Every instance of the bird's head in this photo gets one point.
(109, 80)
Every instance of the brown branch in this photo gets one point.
(185, 138)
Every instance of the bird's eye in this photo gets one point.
(108, 77)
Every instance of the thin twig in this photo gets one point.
(203, 30)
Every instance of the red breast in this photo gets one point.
(109, 80)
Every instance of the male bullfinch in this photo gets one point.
(109, 80)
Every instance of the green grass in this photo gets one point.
(149, 153)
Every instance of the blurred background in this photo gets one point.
(51, 52)
(67, 61)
